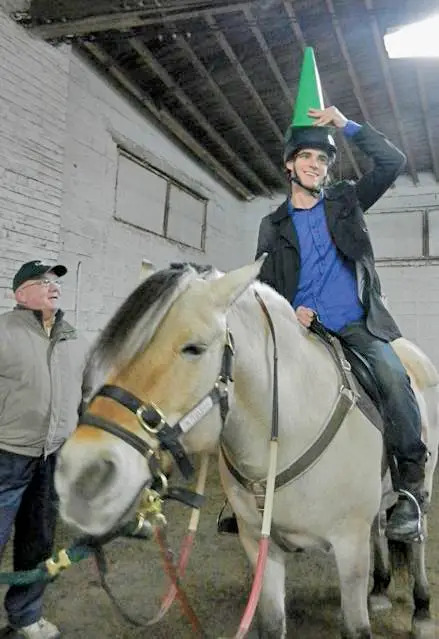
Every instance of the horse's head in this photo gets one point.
(167, 348)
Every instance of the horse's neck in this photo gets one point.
(307, 382)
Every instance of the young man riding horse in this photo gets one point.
(321, 259)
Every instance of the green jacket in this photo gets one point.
(41, 382)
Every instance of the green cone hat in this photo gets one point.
(302, 133)
(309, 92)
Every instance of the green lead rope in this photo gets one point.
(48, 570)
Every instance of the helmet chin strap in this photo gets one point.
(314, 192)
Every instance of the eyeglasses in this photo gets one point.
(44, 282)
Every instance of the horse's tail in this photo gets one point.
(418, 365)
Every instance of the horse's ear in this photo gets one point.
(226, 289)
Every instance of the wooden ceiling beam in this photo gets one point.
(426, 115)
(350, 67)
(168, 121)
(225, 46)
(229, 110)
(267, 54)
(390, 88)
(124, 20)
(149, 59)
(294, 24)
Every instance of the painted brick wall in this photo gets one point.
(58, 129)
(105, 255)
(33, 101)
(412, 287)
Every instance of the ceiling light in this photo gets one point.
(417, 40)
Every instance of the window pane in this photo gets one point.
(396, 235)
(433, 227)
(185, 217)
(140, 195)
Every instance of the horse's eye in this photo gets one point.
(193, 350)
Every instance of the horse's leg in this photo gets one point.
(378, 599)
(423, 626)
(352, 554)
(271, 608)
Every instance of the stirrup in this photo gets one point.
(226, 525)
(419, 535)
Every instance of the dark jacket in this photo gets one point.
(345, 203)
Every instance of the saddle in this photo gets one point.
(370, 400)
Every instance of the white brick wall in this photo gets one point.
(33, 81)
(58, 126)
(405, 195)
(104, 254)
(412, 287)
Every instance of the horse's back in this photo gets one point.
(420, 367)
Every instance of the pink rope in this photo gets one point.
(168, 599)
(255, 593)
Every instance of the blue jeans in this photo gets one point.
(403, 431)
(28, 500)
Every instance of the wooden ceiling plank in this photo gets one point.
(229, 109)
(225, 46)
(267, 53)
(146, 55)
(350, 67)
(390, 89)
(163, 116)
(125, 20)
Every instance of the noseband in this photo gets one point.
(154, 423)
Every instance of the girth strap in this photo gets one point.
(347, 398)
(345, 402)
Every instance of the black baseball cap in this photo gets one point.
(33, 270)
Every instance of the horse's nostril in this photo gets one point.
(94, 478)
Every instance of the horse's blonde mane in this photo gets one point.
(136, 321)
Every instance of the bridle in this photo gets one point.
(153, 421)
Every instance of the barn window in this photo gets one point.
(405, 235)
(396, 235)
(148, 199)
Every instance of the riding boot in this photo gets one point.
(406, 521)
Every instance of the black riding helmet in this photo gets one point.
(308, 137)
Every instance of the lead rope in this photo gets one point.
(175, 573)
(186, 546)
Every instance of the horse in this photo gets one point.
(171, 344)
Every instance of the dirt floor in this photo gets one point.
(217, 584)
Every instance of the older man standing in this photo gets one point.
(42, 361)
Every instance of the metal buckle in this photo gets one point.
(222, 385)
(152, 430)
(150, 509)
(229, 341)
